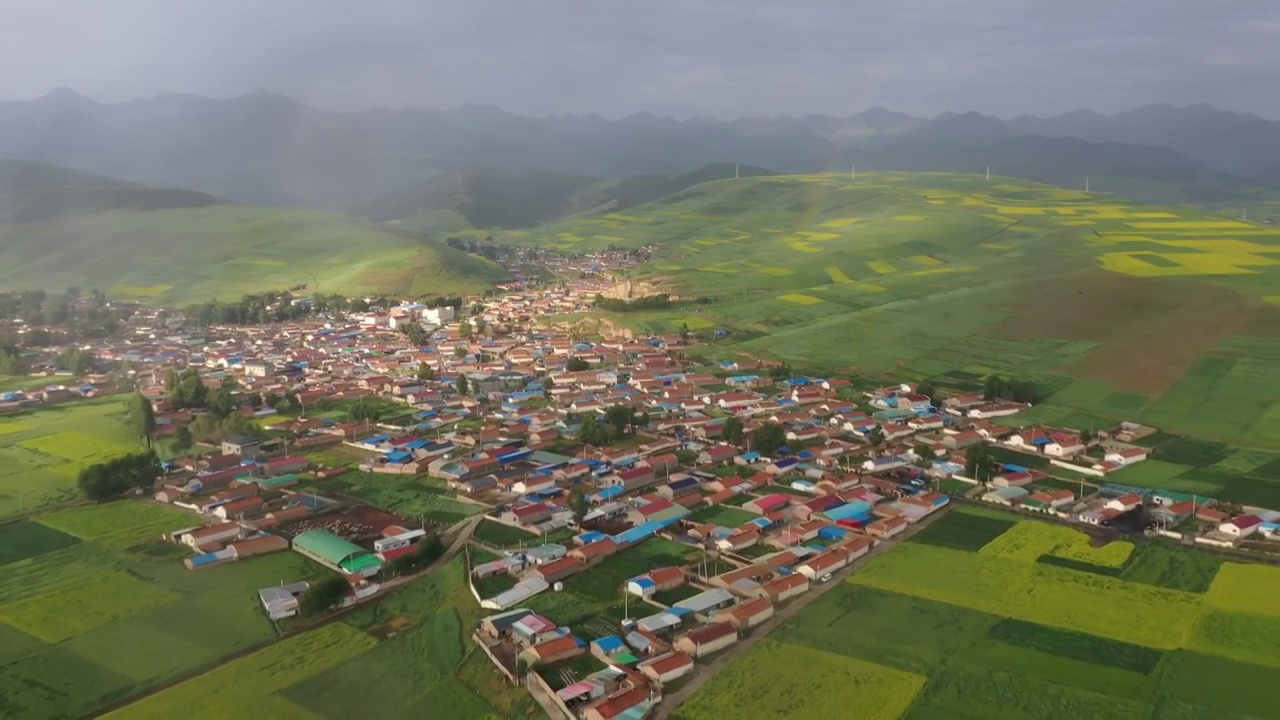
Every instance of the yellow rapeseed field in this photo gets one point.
(837, 275)
(799, 299)
(1028, 540)
(1253, 589)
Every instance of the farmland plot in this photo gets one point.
(776, 679)
(247, 686)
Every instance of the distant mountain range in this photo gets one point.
(269, 149)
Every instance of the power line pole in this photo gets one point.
(988, 173)
(853, 171)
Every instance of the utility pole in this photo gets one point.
(853, 171)
(735, 171)
(988, 173)
(1086, 184)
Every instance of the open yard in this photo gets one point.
(500, 535)
(971, 607)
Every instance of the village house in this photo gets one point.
(553, 651)
(665, 668)
(748, 614)
(707, 639)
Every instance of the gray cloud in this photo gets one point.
(680, 57)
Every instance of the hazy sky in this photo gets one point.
(678, 57)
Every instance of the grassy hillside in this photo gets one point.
(510, 199)
(1162, 314)
(178, 256)
(32, 192)
(486, 197)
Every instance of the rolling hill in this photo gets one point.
(61, 228)
(509, 198)
(32, 192)
(1124, 311)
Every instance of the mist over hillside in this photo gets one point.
(270, 149)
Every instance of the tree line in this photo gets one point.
(110, 479)
(618, 422)
(648, 302)
(998, 387)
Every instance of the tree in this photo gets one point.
(186, 389)
(365, 410)
(780, 372)
(182, 439)
(876, 437)
(114, 477)
(460, 352)
(143, 416)
(416, 333)
(1001, 388)
(462, 385)
(465, 329)
(978, 463)
(577, 364)
(270, 399)
(426, 372)
(768, 438)
(323, 596)
(426, 552)
(221, 402)
(592, 432)
(924, 387)
(1086, 436)
(578, 503)
(732, 431)
(618, 418)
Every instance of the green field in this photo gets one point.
(929, 274)
(408, 495)
(42, 452)
(727, 516)
(997, 634)
(496, 534)
(183, 255)
(343, 670)
(93, 606)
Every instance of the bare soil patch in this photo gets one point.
(1149, 330)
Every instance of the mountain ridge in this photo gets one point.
(267, 148)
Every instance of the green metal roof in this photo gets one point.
(328, 546)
